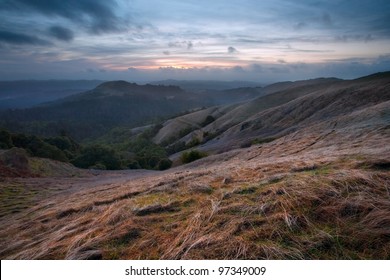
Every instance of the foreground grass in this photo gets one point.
(339, 209)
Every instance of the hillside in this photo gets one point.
(16, 163)
(227, 117)
(318, 188)
(324, 104)
(93, 113)
(329, 108)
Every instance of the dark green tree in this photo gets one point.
(164, 164)
(5, 140)
(192, 155)
(97, 155)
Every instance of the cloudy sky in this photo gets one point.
(139, 40)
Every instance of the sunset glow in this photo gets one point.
(139, 40)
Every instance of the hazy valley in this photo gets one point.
(291, 170)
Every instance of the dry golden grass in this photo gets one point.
(287, 199)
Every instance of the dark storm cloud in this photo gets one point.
(98, 15)
(364, 16)
(20, 39)
(232, 50)
(61, 33)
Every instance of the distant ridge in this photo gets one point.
(92, 113)
(204, 85)
(379, 75)
(27, 93)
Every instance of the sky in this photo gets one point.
(141, 41)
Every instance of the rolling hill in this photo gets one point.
(313, 183)
(288, 107)
(111, 104)
(94, 112)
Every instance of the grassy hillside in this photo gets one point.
(325, 102)
(229, 116)
(290, 201)
(313, 184)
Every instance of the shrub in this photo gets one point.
(98, 155)
(192, 155)
(164, 164)
(146, 153)
(5, 140)
(98, 166)
(133, 164)
(257, 141)
(194, 142)
(151, 132)
(45, 150)
(177, 147)
(183, 132)
(263, 140)
(246, 144)
(63, 143)
(38, 148)
(209, 119)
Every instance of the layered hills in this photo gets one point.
(94, 112)
(111, 104)
(300, 172)
(283, 109)
(228, 116)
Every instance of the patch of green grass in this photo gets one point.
(271, 180)
(188, 202)
(187, 157)
(39, 166)
(259, 141)
(150, 199)
(246, 190)
(380, 165)
(115, 248)
(323, 170)
(127, 238)
(14, 198)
